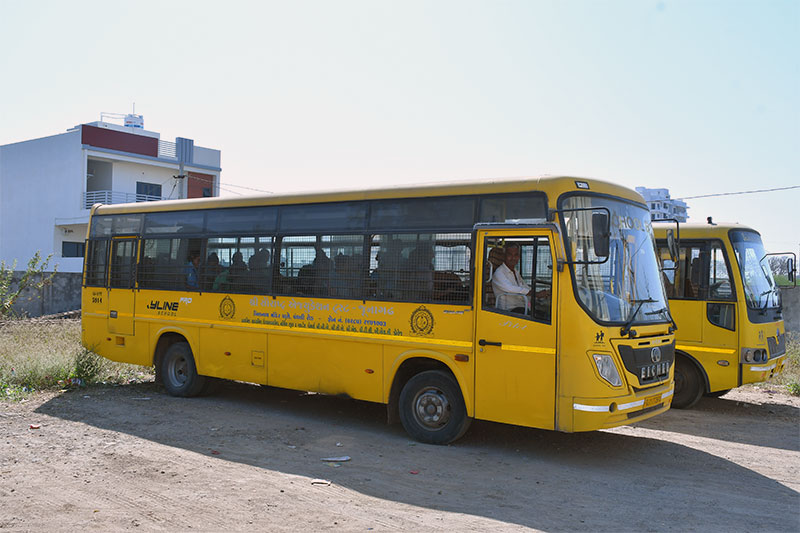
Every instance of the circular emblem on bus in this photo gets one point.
(655, 354)
(421, 321)
(227, 308)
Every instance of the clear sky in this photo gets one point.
(697, 96)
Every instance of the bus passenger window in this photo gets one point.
(321, 265)
(96, 263)
(690, 275)
(420, 267)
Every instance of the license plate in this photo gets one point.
(652, 400)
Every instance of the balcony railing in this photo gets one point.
(115, 197)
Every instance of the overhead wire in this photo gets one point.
(738, 192)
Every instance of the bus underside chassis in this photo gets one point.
(431, 408)
(689, 383)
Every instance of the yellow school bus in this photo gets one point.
(395, 296)
(727, 309)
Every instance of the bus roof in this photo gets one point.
(551, 185)
(698, 230)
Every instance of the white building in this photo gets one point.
(662, 206)
(48, 185)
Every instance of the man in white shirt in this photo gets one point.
(510, 290)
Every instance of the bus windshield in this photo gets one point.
(626, 288)
(760, 289)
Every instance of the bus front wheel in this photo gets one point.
(688, 384)
(432, 409)
(179, 373)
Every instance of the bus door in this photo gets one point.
(719, 326)
(515, 333)
(121, 282)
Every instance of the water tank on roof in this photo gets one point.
(134, 121)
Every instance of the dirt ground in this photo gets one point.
(131, 457)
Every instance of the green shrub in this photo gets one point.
(87, 366)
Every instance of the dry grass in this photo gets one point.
(790, 377)
(39, 355)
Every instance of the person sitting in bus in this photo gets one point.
(496, 257)
(384, 276)
(346, 279)
(259, 270)
(191, 272)
(510, 290)
(231, 277)
(419, 274)
(211, 270)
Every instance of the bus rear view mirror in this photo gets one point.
(601, 234)
(672, 246)
(790, 269)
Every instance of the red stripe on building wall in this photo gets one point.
(199, 185)
(119, 140)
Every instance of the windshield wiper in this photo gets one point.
(763, 308)
(665, 311)
(626, 329)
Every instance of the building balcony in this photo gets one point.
(90, 198)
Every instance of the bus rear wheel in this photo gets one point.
(178, 372)
(432, 409)
(688, 384)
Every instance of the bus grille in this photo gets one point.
(640, 362)
(777, 345)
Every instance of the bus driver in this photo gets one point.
(511, 291)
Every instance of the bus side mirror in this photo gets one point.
(672, 246)
(790, 269)
(601, 234)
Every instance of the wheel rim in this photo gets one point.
(431, 408)
(177, 371)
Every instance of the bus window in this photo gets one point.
(520, 276)
(166, 264)
(692, 274)
(123, 263)
(237, 264)
(421, 267)
(96, 263)
(719, 283)
(321, 265)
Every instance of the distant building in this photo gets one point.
(662, 206)
(48, 185)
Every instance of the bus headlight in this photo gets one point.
(748, 355)
(607, 368)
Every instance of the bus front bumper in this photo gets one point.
(597, 413)
(757, 372)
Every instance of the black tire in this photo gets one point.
(717, 394)
(178, 372)
(432, 409)
(689, 386)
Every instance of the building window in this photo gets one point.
(146, 192)
(72, 249)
